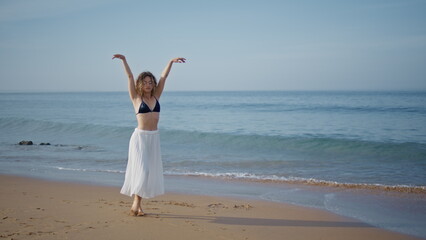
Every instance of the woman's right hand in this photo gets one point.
(119, 56)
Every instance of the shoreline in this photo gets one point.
(47, 209)
(404, 189)
(393, 211)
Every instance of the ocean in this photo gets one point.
(358, 154)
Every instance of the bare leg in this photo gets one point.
(136, 203)
(136, 209)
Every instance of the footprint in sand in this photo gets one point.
(217, 205)
(243, 206)
(182, 204)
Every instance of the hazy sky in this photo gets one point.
(54, 45)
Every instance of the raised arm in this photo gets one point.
(160, 87)
(131, 82)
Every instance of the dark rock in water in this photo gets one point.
(26, 143)
(44, 143)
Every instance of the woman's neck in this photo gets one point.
(147, 95)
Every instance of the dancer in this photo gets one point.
(144, 172)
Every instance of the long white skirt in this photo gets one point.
(144, 172)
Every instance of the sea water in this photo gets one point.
(320, 149)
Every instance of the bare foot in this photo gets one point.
(140, 212)
(134, 211)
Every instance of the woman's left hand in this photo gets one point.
(119, 56)
(178, 60)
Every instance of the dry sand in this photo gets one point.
(38, 209)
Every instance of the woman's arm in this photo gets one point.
(160, 87)
(131, 82)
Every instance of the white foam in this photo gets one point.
(89, 170)
(299, 180)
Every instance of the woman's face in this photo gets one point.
(148, 84)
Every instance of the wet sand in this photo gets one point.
(38, 209)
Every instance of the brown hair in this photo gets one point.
(139, 82)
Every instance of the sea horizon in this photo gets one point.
(231, 90)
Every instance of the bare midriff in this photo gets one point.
(148, 121)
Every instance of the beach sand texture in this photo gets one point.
(38, 209)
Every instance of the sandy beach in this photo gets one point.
(39, 209)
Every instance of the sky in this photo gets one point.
(58, 45)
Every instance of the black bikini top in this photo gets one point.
(144, 108)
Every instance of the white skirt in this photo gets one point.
(144, 172)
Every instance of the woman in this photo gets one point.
(144, 172)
